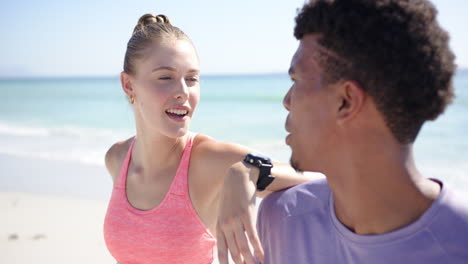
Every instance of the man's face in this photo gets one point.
(312, 109)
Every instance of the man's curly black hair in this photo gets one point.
(394, 49)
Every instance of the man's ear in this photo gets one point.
(352, 98)
(126, 82)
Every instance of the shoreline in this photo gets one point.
(58, 178)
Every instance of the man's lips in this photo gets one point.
(286, 127)
(288, 138)
(286, 124)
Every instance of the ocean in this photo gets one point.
(77, 119)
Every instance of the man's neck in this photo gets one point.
(381, 197)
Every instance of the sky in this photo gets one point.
(60, 38)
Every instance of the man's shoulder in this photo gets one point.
(450, 224)
(298, 200)
(453, 208)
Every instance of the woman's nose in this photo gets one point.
(182, 90)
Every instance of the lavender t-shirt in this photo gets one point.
(299, 225)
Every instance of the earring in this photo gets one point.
(132, 99)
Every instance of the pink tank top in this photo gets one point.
(172, 232)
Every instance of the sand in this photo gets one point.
(47, 229)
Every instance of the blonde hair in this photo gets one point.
(148, 29)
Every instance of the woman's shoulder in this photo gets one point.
(207, 147)
(116, 155)
(216, 156)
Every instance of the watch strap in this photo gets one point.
(264, 164)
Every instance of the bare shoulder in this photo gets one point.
(214, 157)
(115, 157)
(212, 150)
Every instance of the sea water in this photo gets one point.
(77, 120)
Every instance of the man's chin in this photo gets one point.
(295, 165)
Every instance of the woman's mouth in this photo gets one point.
(177, 114)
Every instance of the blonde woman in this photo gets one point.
(167, 180)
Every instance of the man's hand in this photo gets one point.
(236, 231)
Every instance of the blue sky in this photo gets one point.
(88, 38)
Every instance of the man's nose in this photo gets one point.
(287, 100)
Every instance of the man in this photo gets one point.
(367, 75)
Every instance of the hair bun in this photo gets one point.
(150, 18)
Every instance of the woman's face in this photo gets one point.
(166, 87)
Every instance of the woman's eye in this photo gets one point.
(165, 78)
(192, 79)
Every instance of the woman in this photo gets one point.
(167, 180)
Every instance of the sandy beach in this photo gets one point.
(47, 229)
(52, 211)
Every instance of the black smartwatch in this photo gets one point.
(265, 165)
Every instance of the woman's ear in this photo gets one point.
(352, 98)
(126, 81)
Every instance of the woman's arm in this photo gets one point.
(285, 177)
(236, 230)
(237, 194)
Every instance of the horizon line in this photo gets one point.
(102, 77)
(97, 77)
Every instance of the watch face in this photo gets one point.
(251, 157)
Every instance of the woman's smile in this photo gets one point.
(179, 114)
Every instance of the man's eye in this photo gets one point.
(193, 79)
(165, 78)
